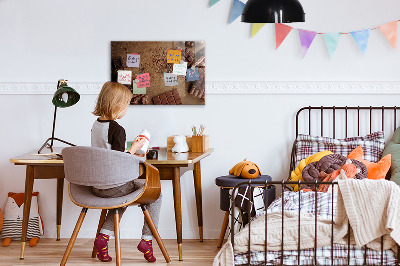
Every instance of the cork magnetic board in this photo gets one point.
(161, 73)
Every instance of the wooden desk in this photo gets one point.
(168, 163)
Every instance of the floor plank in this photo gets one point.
(49, 252)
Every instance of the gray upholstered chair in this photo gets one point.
(85, 167)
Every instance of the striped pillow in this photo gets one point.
(372, 145)
(13, 228)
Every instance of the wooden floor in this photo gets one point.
(50, 252)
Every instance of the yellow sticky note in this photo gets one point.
(174, 56)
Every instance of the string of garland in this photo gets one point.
(361, 37)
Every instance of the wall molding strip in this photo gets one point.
(231, 87)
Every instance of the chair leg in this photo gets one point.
(117, 239)
(101, 222)
(223, 229)
(73, 237)
(154, 230)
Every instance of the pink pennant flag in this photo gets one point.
(306, 39)
(389, 30)
(281, 31)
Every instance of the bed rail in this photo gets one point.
(265, 185)
(343, 118)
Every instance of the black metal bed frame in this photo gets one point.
(283, 184)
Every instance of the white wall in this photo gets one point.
(42, 41)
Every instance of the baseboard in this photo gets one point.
(231, 87)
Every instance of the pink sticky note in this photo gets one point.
(124, 76)
(144, 80)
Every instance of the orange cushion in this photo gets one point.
(375, 170)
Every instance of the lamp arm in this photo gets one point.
(54, 126)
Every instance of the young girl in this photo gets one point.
(112, 104)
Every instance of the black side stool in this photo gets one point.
(226, 183)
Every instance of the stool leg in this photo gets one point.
(101, 222)
(223, 229)
(117, 239)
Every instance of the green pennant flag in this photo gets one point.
(213, 2)
(256, 27)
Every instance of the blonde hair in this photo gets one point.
(112, 99)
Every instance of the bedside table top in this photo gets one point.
(230, 181)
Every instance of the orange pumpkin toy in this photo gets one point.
(245, 169)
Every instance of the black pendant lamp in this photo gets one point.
(273, 11)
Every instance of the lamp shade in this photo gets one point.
(65, 96)
(273, 11)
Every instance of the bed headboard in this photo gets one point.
(344, 121)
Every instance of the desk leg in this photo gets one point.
(27, 206)
(199, 204)
(60, 190)
(176, 182)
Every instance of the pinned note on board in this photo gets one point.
(180, 69)
(133, 60)
(174, 56)
(192, 74)
(124, 76)
(144, 80)
(136, 90)
(170, 79)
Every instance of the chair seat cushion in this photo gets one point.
(83, 195)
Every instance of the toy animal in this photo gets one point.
(180, 144)
(348, 170)
(245, 169)
(13, 215)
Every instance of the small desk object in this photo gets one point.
(170, 165)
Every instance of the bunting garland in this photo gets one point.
(256, 27)
(213, 2)
(237, 9)
(389, 30)
(306, 39)
(281, 31)
(361, 37)
(332, 41)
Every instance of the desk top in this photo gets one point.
(164, 157)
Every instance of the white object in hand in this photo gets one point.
(180, 144)
(144, 134)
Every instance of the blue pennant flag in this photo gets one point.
(213, 2)
(361, 38)
(332, 41)
(237, 9)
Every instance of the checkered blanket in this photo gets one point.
(324, 206)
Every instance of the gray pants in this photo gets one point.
(154, 208)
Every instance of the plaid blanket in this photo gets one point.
(323, 205)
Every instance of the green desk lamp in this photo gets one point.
(65, 96)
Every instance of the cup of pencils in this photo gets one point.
(199, 140)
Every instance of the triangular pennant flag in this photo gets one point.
(306, 39)
(389, 30)
(281, 31)
(237, 9)
(213, 2)
(361, 37)
(332, 41)
(256, 27)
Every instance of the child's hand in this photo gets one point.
(137, 144)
